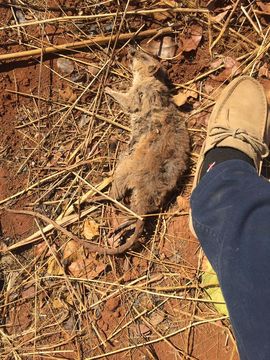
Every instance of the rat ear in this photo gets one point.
(153, 68)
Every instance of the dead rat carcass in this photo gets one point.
(158, 149)
(157, 153)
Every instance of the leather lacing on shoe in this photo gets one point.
(221, 133)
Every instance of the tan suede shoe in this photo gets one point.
(239, 120)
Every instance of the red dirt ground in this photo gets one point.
(179, 250)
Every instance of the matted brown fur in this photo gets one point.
(159, 145)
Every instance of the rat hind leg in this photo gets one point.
(122, 179)
(142, 201)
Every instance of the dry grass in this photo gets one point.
(57, 304)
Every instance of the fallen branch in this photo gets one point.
(51, 225)
(95, 40)
(105, 16)
(64, 219)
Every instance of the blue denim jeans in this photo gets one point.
(231, 217)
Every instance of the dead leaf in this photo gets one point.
(113, 303)
(43, 248)
(161, 16)
(20, 16)
(167, 48)
(65, 66)
(265, 7)
(69, 299)
(216, 5)
(232, 68)
(231, 63)
(217, 63)
(78, 268)
(208, 279)
(191, 40)
(143, 329)
(83, 120)
(126, 265)
(180, 99)
(72, 251)
(70, 323)
(86, 268)
(93, 69)
(213, 89)
(208, 88)
(90, 229)
(219, 17)
(54, 268)
(192, 91)
(151, 47)
(67, 94)
(264, 71)
(170, 3)
(57, 303)
(164, 48)
(29, 292)
(157, 318)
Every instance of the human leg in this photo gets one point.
(230, 209)
(231, 217)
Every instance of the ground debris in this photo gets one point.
(60, 139)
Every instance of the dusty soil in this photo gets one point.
(59, 137)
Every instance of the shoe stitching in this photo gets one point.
(220, 133)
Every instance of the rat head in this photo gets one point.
(143, 64)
